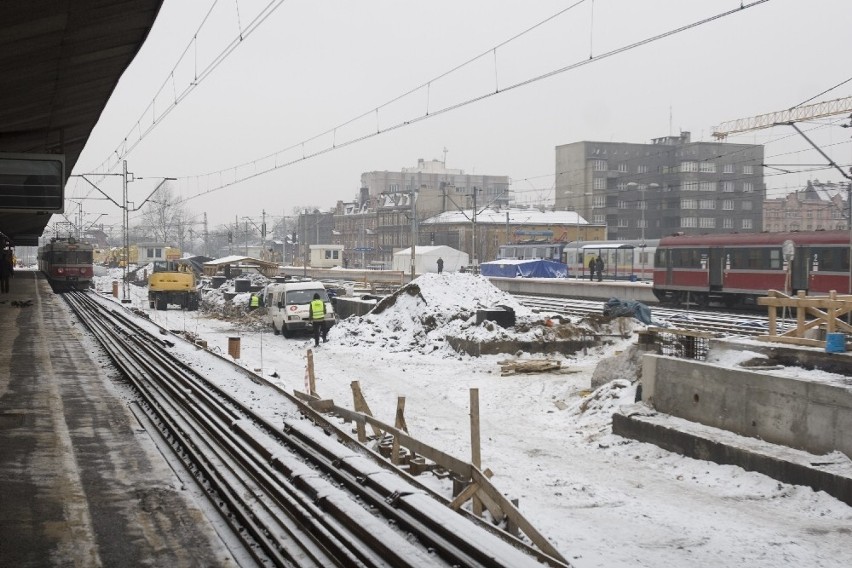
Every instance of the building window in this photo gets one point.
(622, 204)
(688, 222)
(600, 201)
(622, 222)
(728, 205)
(707, 204)
(746, 224)
(689, 204)
(599, 183)
(748, 187)
(599, 165)
(622, 186)
(622, 167)
(707, 223)
(690, 186)
(599, 219)
(708, 186)
(641, 169)
(708, 167)
(727, 223)
(727, 187)
(729, 169)
(642, 223)
(688, 167)
(748, 170)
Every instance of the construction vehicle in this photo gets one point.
(173, 283)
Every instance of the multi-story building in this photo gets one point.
(820, 206)
(646, 191)
(481, 235)
(439, 188)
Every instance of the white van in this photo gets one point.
(288, 306)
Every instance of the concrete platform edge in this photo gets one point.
(694, 445)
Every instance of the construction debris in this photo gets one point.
(515, 366)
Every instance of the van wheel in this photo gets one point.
(286, 332)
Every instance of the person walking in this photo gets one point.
(592, 265)
(6, 270)
(317, 319)
(599, 268)
(440, 265)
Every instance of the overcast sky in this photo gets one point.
(311, 67)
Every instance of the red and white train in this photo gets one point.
(67, 264)
(737, 268)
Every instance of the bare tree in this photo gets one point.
(165, 217)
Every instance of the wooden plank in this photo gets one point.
(399, 423)
(516, 517)
(361, 406)
(462, 497)
(475, 451)
(792, 340)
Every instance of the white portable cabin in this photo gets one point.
(426, 259)
(326, 256)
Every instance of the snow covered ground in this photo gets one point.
(602, 500)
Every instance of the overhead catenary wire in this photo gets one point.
(279, 163)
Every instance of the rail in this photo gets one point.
(286, 494)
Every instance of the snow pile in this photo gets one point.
(420, 315)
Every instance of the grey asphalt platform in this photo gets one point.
(82, 482)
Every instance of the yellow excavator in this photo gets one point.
(173, 283)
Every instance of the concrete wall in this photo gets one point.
(577, 288)
(811, 416)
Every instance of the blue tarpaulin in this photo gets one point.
(533, 268)
(618, 308)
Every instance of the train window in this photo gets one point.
(832, 259)
(687, 258)
(775, 259)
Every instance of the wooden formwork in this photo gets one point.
(403, 450)
(812, 313)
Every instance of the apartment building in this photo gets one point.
(646, 191)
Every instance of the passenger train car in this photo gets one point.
(737, 268)
(623, 260)
(67, 264)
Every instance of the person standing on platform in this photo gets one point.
(440, 265)
(6, 270)
(592, 265)
(599, 268)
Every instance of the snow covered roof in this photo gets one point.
(428, 250)
(516, 217)
(236, 259)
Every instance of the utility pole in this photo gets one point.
(206, 237)
(125, 287)
(473, 221)
(413, 231)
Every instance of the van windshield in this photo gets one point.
(304, 296)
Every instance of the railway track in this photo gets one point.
(290, 497)
(722, 323)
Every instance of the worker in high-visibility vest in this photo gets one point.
(254, 302)
(317, 318)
